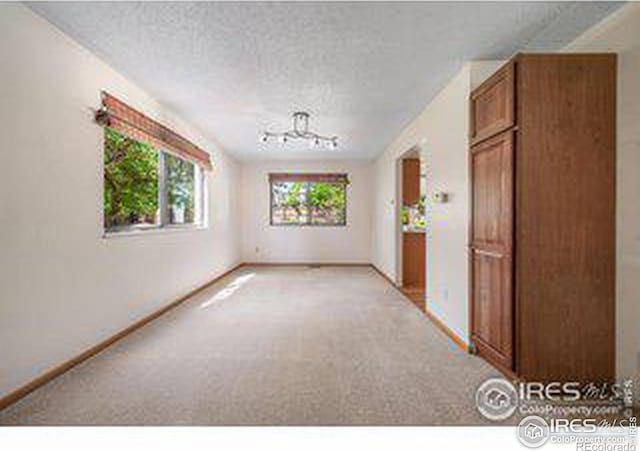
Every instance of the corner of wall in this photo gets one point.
(480, 70)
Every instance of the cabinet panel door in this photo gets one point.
(492, 213)
(492, 328)
(410, 181)
(413, 260)
(492, 105)
(492, 193)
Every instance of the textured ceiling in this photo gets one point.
(363, 70)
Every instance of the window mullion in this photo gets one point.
(199, 193)
(162, 192)
(308, 202)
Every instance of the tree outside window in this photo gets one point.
(308, 203)
(131, 183)
(147, 188)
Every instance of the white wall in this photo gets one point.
(619, 33)
(441, 131)
(278, 244)
(63, 288)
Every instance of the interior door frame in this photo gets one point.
(397, 220)
(415, 151)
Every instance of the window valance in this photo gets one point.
(128, 121)
(308, 178)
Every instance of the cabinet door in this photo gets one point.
(492, 313)
(410, 181)
(493, 307)
(413, 260)
(492, 105)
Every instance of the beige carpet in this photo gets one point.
(273, 346)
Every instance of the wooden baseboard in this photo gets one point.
(451, 334)
(307, 264)
(384, 276)
(439, 324)
(66, 366)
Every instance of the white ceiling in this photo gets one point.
(363, 70)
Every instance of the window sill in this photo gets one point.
(310, 226)
(154, 231)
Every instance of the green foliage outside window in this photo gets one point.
(130, 182)
(180, 182)
(417, 219)
(132, 185)
(316, 203)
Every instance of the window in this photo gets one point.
(146, 188)
(308, 199)
(153, 177)
(182, 187)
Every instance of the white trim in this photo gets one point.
(200, 199)
(155, 231)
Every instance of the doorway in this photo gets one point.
(412, 227)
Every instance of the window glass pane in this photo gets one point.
(180, 183)
(327, 202)
(300, 203)
(289, 204)
(130, 183)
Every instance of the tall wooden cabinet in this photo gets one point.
(542, 229)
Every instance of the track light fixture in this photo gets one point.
(300, 130)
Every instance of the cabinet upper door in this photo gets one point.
(492, 105)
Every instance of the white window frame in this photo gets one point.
(200, 203)
(199, 188)
(272, 205)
